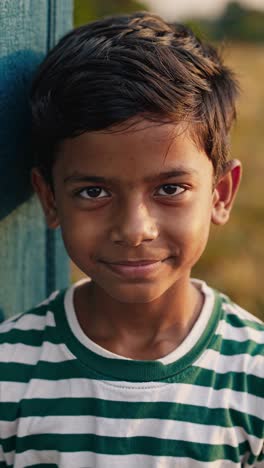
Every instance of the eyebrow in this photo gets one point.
(78, 177)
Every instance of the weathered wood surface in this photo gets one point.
(32, 259)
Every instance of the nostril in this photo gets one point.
(135, 235)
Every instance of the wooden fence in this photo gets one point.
(33, 261)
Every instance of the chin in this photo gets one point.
(135, 294)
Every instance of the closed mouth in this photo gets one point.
(136, 269)
(135, 263)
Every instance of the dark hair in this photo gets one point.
(116, 68)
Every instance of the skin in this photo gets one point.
(156, 203)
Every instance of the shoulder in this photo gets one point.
(239, 342)
(30, 348)
(238, 323)
(21, 336)
(230, 320)
(235, 349)
(32, 319)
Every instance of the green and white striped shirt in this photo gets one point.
(66, 402)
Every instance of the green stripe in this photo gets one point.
(22, 373)
(31, 337)
(232, 347)
(9, 411)
(72, 369)
(42, 465)
(237, 322)
(8, 444)
(126, 446)
(132, 410)
(237, 381)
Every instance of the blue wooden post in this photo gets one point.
(33, 261)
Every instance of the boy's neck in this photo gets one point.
(138, 331)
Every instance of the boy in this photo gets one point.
(140, 366)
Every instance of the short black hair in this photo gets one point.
(111, 70)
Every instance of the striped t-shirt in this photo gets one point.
(66, 402)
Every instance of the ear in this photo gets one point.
(225, 191)
(46, 197)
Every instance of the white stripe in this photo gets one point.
(30, 322)
(181, 394)
(9, 458)
(8, 429)
(49, 299)
(92, 460)
(158, 428)
(24, 354)
(228, 332)
(1, 455)
(213, 360)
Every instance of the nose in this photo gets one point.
(134, 225)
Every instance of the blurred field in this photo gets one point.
(234, 259)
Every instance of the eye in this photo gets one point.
(92, 193)
(170, 190)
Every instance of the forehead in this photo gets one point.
(138, 149)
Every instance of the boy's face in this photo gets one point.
(135, 207)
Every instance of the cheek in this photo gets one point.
(81, 236)
(190, 229)
(197, 232)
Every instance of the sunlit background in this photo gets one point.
(234, 259)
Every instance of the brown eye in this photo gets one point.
(170, 190)
(93, 192)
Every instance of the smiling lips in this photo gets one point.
(135, 268)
